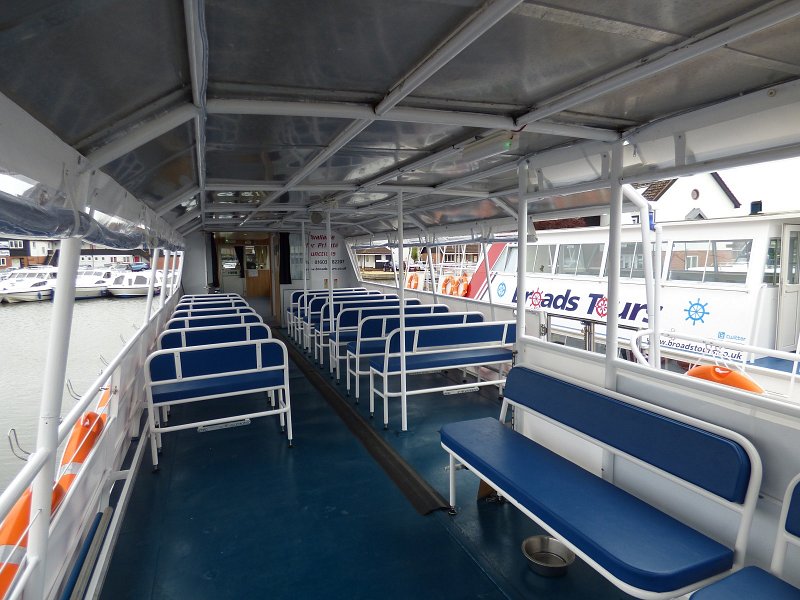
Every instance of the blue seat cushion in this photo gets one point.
(631, 539)
(445, 359)
(227, 384)
(751, 583)
(368, 347)
(344, 337)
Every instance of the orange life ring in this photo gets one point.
(726, 377)
(463, 286)
(413, 281)
(449, 285)
(14, 534)
(81, 441)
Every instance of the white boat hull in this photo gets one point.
(89, 292)
(129, 291)
(13, 297)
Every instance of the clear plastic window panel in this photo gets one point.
(687, 261)
(540, 258)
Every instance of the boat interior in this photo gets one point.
(254, 148)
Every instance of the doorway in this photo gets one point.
(789, 303)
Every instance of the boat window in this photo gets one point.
(118, 280)
(511, 260)
(631, 261)
(139, 280)
(710, 261)
(773, 267)
(579, 259)
(540, 258)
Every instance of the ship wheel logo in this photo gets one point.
(501, 289)
(601, 308)
(536, 298)
(696, 312)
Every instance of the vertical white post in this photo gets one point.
(522, 247)
(167, 255)
(305, 254)
(50, 412)
(655, 324)
(488, 282)
(432, 271)
(151, 286)
(402, 296)
(330, 287)
(614, 251)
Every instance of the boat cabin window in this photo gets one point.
(140, 280)
(540, 258)
(710, 261)
(579, 259)
(772, 270)
(119, 280)
(631, 261)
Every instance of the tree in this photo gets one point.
(414, 253)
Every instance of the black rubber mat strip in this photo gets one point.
(423, 497)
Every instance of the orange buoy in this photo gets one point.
(449, 285)
(81, 441)
(14, 534)
(726, 377)
(413, 281)
(463, 286)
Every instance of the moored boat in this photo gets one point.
(93, 283)
(31, 284)
(133, 284)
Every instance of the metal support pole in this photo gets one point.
(655, 325)
(330, 282)
(151, 286)
(614, 251)
(167, 254)
(50, 411)
(522, 237)
(305, 262)
(486, 270)
(402, 296)
(433, 278)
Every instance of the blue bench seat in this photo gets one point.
(216, 386)
(634, 541)
(749, 583)
(442, 360)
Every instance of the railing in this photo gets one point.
(719, 352)
(89, 492)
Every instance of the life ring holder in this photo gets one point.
(412, 282)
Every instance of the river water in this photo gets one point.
(99, 327)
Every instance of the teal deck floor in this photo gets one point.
(235, 513)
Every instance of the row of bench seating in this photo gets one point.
(363, 323)
(213, 347)
(633, 543)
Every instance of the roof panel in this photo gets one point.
(159, 168)
(363, 45)
(80, 68)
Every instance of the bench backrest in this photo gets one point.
(349, 318)
(180, 363)
(382, 327)
(316, 304)
(204, 305)
(207, 312)
(305, 299)
(213, 320)
(295, 295)
(382, 302)
(705, 459)
(219, 334)
(430, 338)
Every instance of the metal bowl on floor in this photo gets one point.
(547, 556)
